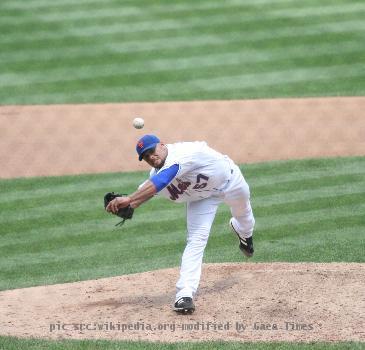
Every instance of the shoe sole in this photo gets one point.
(184, 311)
(246, 253)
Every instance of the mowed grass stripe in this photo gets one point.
(151, 215)
(71, 245)
(210, 42)
(41, 190)
(192, 81)
(117, 258)
(78, 267)
(231, 32)
(96, 245)
(228, 62)
(130, 60)
(308, 194)
(268, 172)
(163, 211)
(182, 75)
(160, 91)
(12, 343)
(204, 33)
(77, 185)
(83, 15)
(137, 53)
(282, 167)
(118, 25)
(349, 85)
(40, 198)
(112, 12)
(254, 61)
(183, 63)
(272, 173)
(326, 87)
(303, 247)
(99, 243)
(43, 6)
(270, 192)
(43, 210)
(169, 28)
(46, 240)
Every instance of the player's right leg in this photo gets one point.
(242, 223)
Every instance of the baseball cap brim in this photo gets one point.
(153, 145)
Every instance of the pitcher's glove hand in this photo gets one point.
(124, 213)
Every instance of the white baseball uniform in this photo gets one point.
(205, 179)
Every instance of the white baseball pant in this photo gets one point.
(200, 217)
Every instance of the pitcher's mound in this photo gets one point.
(245, 302)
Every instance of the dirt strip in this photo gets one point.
(243, 302)
(73, 139)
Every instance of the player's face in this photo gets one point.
(156, 157)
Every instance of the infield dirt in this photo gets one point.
(74, 139)
(244, 301)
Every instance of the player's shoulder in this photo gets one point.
(186, 147)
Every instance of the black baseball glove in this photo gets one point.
(124, 213)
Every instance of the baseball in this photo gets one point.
(138, 123)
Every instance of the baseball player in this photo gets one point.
(193, 173)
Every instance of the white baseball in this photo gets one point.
(138, 123)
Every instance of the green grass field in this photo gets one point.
(32, 344)
(307, 210)
(119, 51)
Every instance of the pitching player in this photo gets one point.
(194, 173)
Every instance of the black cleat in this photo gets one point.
(184, 306)
(246, 244)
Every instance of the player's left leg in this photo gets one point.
(200, 216)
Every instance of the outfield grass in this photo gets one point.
(55, 230)
(119, 51)
(9, 343)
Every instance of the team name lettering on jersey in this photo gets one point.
(179, 190)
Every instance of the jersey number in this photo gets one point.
(199, 185)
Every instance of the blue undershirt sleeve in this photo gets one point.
(163, 178)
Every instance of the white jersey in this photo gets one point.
(202, 172)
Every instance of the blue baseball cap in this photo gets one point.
(145, 143)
